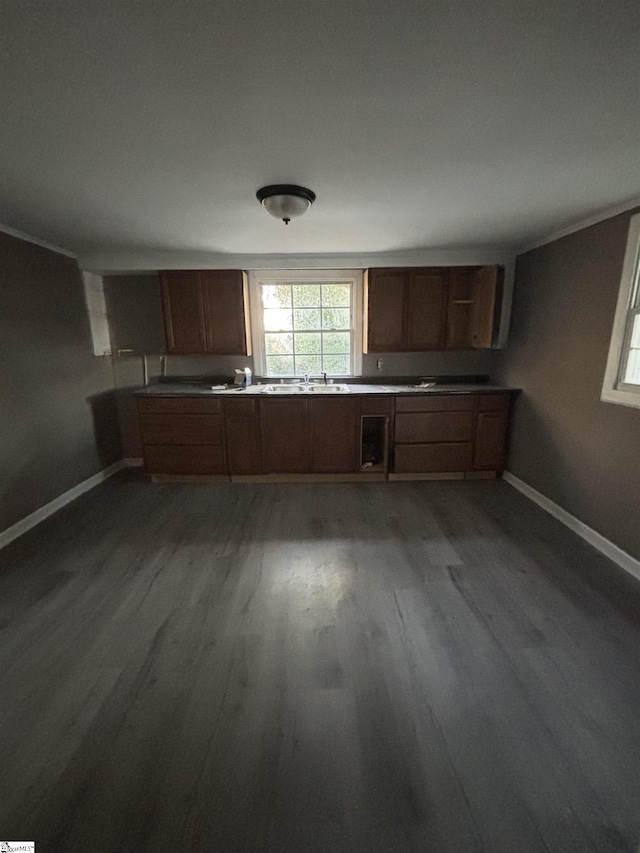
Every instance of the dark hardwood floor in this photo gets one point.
(385, 667)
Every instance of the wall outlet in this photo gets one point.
(379, 364)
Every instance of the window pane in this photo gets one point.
(279, 365)
(307, 342)
(281, 344)
(276, 296)
(306, 318)
(632, 367)
(306, 295)
(632, 373)
(337, 365)
(277, 320)
(308, 364)
(339, 342)
(336, 318)
(306, 325)
(336, 295)
(635, 333)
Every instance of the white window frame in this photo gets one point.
(614, 390)
(351, 277)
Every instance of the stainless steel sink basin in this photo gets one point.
(329, 389)
(306, 389)
(282, 389)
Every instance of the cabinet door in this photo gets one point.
(460, 308)
(183, 319)
(485, 294)
(241, 431)
(386, 295)
(427, 309)
(223, 301)
(334, 435)
(491, 436)
(284, 436)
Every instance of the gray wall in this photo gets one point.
(429, 363)
(580, 452)
(58, 418)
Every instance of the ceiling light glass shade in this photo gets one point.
(286, 201)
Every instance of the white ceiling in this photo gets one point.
(148, 125)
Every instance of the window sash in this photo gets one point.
(260, 278)
(631, 350)
(614, 389)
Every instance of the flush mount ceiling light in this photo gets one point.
(285, 201)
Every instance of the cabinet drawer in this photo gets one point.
(432, 458)
(195, 405)
(206, 459)
(442, 403)
(376, 405)
(433, 426)
(181, 429)
(493, 402)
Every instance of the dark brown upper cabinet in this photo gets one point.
(386, 293)
(487, 292)
(436, 308)
(427, 292)
(205, 312)
(473, 309)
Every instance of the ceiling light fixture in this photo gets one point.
(285, 201)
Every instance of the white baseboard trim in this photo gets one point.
(34, 518)
(605, 546)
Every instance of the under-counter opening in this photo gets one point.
(374, 443)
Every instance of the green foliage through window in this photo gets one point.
(308, 328)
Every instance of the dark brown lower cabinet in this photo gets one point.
(184, 459)
(241, 431)
(284, 436)
(491, 432)
(182, 436)
(436, 458)
(309, 436)
(333, 436)
(433, 426)
(455, 434)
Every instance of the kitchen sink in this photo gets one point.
(306, 389)
(282, 389)
(328, 389)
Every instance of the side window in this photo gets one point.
(622, 375)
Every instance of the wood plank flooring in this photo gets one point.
(433, 666)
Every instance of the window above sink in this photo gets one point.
(306, 322)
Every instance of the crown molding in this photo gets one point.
(607, 213)
(28, 238)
